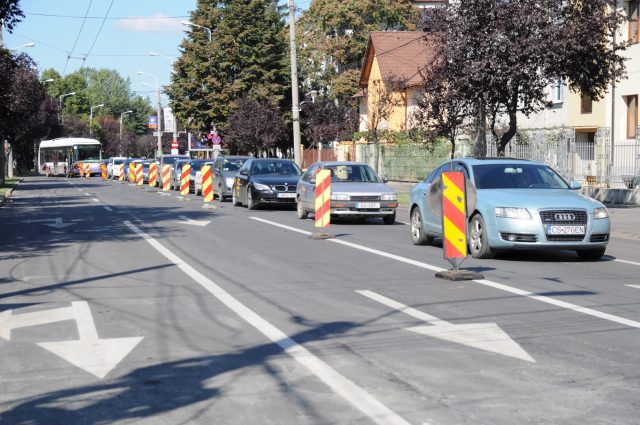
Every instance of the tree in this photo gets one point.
(246, 57)
(255, 127)
(325, 120)
(501, 56)
(10, 14)
(332, 37)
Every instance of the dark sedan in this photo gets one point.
(266, 181)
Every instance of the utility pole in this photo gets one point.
(295, 108)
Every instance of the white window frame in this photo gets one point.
(556, 91)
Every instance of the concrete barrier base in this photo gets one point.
(613, 196)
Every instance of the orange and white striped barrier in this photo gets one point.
(207, 184)
(103, 170)
(454, 217)
(184, 179)
(166, 175)
(139, 178)
(121, 175)
(153, 174)
(323, 198)
(87, 170)
(81, 169)
(132, 172)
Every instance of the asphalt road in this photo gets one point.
(120, 305)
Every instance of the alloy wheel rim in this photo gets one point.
(476, 236)
(415, 225)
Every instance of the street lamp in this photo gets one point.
(191, 24)
(48, 80)
(91, 116)
(163, 56)
(62, 96)
(159, 132)
(120, 144)
(23, 46)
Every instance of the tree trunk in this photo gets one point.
(480, 142)
(2, 166)
(506, 137)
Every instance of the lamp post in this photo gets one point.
(191, 24)
(159, 132)
(120, 142)
(48, 80)
(62, 96)
(91, 116)
(23, 46)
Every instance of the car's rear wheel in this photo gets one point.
(234, 199)
(478, 239)
(251, 204)
(389, 219)
(418, 235)
(301, 212)
(591, 254)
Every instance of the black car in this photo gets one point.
(266, 181)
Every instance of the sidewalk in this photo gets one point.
(625, 219)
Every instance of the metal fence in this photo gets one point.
(594, 162)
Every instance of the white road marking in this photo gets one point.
(344, 387)
(187, 220)
(633, 286)
(495, 285)
(627, 262)
(484, 336)
(95, 199)
(108, 208)
(403, 222)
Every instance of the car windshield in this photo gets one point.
(171, 159)
(232, 164)
(283, 168)
(517, 176)
(118, 161)
(342, 173)
(195, 165)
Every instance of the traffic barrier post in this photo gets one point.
(121, 175)
(132, 173)
(139, 177)
(184, 179)
(207, 186)
(103, 170)
(153, 174)
(166, 175)
(322, 214)
(81, 169)
(87, 170)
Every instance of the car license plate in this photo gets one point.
(286, 195)
(368, 205)
(565, 230)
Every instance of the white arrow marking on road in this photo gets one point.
(90, 353)
(187, 220)
(59, 224)
(484, 336)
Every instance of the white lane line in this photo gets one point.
(500, 286)
(344, 387)
(633, 286)
(95, 199)
(402, 222)
(627, 262)
(108, 208)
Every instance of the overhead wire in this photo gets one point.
(70, 53)
(99, 31)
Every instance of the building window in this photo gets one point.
(556, 92)
(632, 116)
(634, 21)
(586, 104)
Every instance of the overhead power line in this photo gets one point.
(77, 37)
(50, 15)
(100, 30)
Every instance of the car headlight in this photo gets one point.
(229, 181)
(259, 186)
(339, 197)
(511, 212)
(389, 197)
(600, 213)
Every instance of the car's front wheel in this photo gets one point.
(478, 239)
(301, 212)
(234, 199)
(591, 254)
(418, 235)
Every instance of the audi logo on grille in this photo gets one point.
(565, 217)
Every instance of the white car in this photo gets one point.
(114, 172)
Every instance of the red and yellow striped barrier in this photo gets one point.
(121, 175)
(323, 198)
(132, 172)
(87, 170)
(139, 178)
(81, 169)
(153, 174)
(207, 184)
(454, 217)
(103, 170)
(166, 174)
(184, 179)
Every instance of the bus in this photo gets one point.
(59, 156)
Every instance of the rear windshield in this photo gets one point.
(517, 176)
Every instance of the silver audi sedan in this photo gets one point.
(356, 191)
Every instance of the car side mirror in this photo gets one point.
(243, 173)
(385, 179)
(312, 181)
(575, 185)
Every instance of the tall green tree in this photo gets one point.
(501, 56)
(247, 56)
(332, 37)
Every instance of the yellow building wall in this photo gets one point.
(576, 119)
(397, 118)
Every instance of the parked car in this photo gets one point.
(145, 169)
(113, 171)
(169, 160)
(223, 175)
(126, 163)
(176, 172)
(196, 174)
(266, 181)
(356, 191)
(520, 205)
